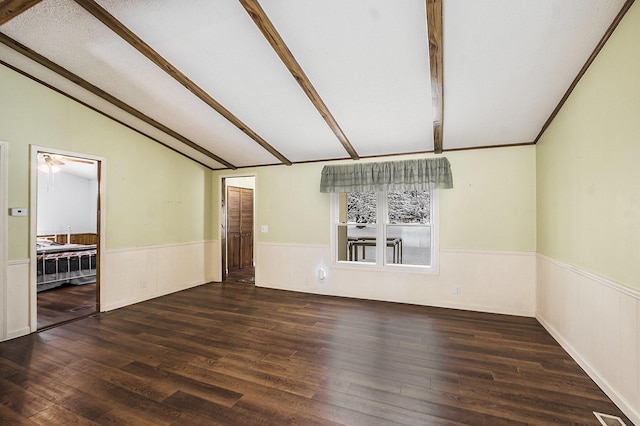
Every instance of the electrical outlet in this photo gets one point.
(455, 290)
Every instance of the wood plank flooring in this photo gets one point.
(245, 275)
(234, 354)
(65, 303)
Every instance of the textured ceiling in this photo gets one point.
(506, 66)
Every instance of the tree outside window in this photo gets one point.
(405, 218)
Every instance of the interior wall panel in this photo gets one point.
(598, 322)
(488, 281)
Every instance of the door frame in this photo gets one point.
(33, 222)
(222, 215)
(4, 229)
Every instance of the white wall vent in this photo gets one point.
(609, 420)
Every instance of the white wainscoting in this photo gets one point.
(18, 298)
(129, 276)
(598, 322)
(488, 281)
(135, 274)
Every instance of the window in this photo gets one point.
(384, 212)
(385, 228)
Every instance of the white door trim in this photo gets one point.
(225, 177)
(4, 237)
(33, 222)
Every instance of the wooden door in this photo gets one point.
(233, 228)
(223, 230)
(246, 227)
(239, 227)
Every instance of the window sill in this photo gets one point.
(403, 269)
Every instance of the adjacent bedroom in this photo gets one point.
(67, 237)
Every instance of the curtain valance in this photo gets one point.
(407, 175)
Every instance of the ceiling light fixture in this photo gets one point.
(49, 164)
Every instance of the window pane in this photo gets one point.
(408, 245)
(406, 220)
(356, 243)
(409, 207)
(361, 207)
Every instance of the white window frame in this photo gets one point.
(381, 199)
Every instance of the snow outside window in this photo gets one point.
(389, 228)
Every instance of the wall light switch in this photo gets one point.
(18, 211)
(265, 228)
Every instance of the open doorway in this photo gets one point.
(67, 238)
(238, 230)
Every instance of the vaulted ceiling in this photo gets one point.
(238, 83)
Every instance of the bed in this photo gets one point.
(59, 264)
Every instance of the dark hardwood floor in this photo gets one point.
(235, 354)
(246, 275)
(65, 303)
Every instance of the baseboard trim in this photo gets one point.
(485, 308)
(460, 306)
(18, 333)
(132, 301)
(624, 405)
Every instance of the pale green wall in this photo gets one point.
(588, 168)
(289, 201)
(492, 205)
(154, 195)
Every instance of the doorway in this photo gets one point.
(67, 238)
(238, 240)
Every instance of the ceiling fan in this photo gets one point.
(54, 163)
